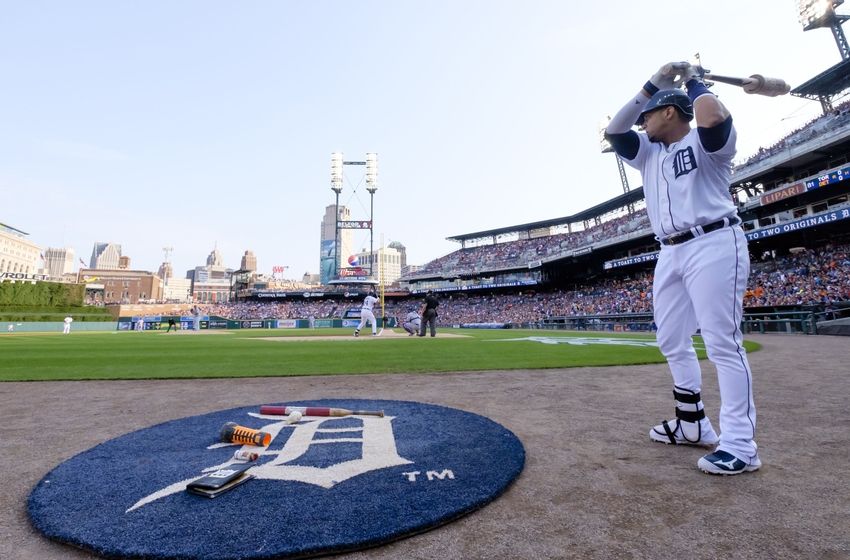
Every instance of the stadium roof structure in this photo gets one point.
(804, 157)
(10, 229)
(624, 199)
(828, 83)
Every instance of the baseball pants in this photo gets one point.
(700, 284)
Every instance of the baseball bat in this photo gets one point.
(755, 84)
(316, 411)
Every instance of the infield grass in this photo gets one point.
(160, 355)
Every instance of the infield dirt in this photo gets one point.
(594, 486)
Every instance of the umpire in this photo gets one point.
(429, 314)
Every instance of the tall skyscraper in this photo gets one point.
(105, 256)
(211, 283)
(327, 266)
(58, 261)
(402, 252)
(249, 262)
(214, 258)
(165, 272)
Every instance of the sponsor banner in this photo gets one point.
(355, 224)
(251, 324)
(781, 194)
(353, 271)
(270, 295)
(286, 323)
(22, 276)
(323, 323)
(637, 259)
(529, 282)
(583, 251)
(217, 324)
(797, 225)
(353, 313)
(535, 264)
(350, 322)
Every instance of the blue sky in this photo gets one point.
(199, 123)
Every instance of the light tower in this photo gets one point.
(336, 187)
(814, 14)
(371, 186)
(371, 163)
(607, 148)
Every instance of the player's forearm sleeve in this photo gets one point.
(626, 117)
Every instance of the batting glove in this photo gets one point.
(668, 76)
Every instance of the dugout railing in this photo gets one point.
(784, 322)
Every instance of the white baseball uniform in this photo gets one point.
(366, 313)
(700, 279)
(66, 328)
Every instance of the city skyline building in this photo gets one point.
(105, 256)
(211, 282)
(165, 272)
(327, 265)
(58, 261)
(387, 263)
(249, 262)
(123, 286)
(18, 254)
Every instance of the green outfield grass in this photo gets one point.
(160, 355)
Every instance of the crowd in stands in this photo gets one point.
(808, 277)
(805, 278)
(292, 309)
(519, 253)
(839, 116)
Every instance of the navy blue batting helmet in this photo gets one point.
(664, 97)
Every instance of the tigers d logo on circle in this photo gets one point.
(322, 485)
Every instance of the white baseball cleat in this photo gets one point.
(678, 432)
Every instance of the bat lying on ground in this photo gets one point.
(316, 411)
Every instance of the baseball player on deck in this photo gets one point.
(366, 314)
(703, 265)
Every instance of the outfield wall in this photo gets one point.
(56, 326)
(186, 322)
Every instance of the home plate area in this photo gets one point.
(323, 485)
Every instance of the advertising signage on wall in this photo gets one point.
(781, 194)
(646, 257)
(796, 225)
(22, 276)
(770, 231)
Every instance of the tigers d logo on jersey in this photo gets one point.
(684, 162)
(322, 485)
